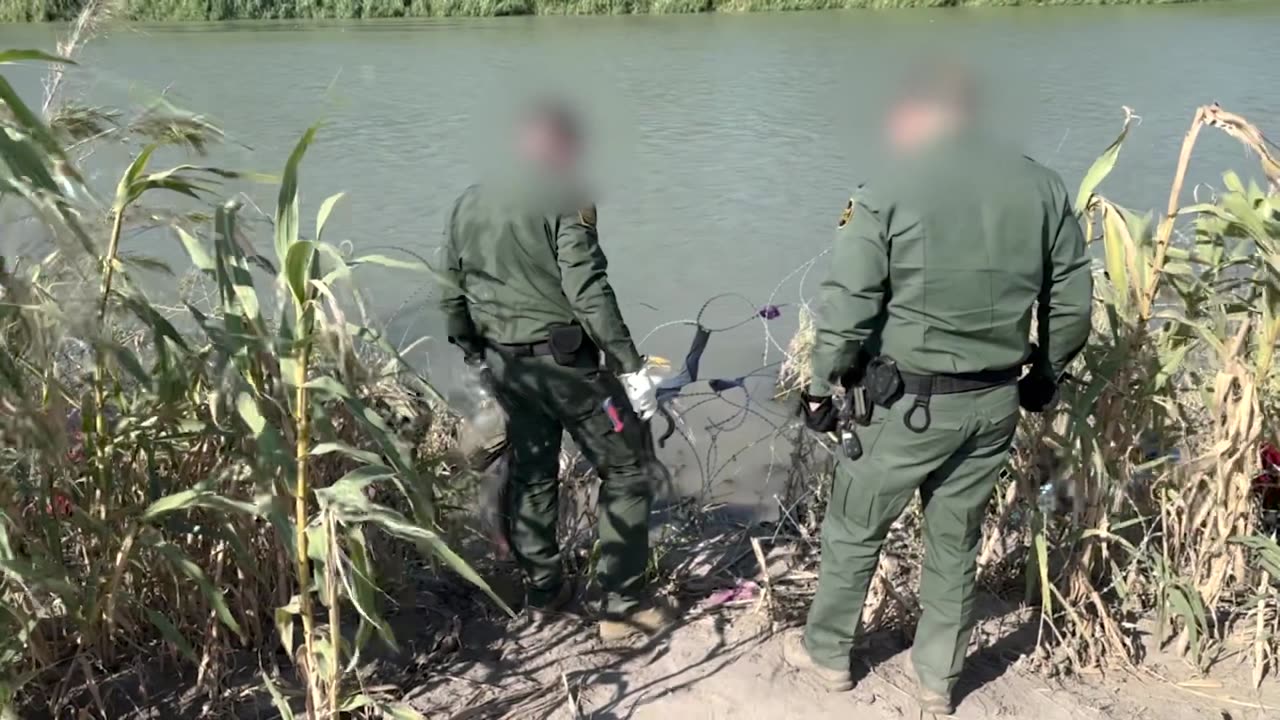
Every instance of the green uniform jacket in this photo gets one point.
(939, 267)
(520, 261)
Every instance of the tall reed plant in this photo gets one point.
(202, 479)
(1177, 397)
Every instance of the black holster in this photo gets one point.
(566, 344)
(886, 384)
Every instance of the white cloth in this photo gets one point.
(642, 391)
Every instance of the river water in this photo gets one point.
(728, 144)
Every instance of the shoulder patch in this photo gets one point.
(847, 215)
(587, 216)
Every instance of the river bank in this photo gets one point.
(250, 488)
(206, 10)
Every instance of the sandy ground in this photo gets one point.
(727, 664)
(461, 659)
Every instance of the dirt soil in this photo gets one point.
(726, 663)
(462, 659)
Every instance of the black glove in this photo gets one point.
(823, 419)
(1037, 392)
(471, 346)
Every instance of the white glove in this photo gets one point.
(642, 391)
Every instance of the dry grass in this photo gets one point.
(193, 482)
(199, 481)
(793, 374)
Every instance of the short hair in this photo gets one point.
(553, 114)
(940, 82)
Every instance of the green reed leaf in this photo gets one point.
(277, 698)
(363, 589)
(8, 57)
(297, 269)
(171, 633)
(181, 562)
(400, 711)
(1103, 166)
(287, 204)
(326, 208)
(200, 496)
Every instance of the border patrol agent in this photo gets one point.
(926, 314)
(526, 287)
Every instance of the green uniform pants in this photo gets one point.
(544, 399)
(954, 465)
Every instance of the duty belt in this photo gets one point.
(913, 384)
(926, 386)
(587, 352)
(537, 349)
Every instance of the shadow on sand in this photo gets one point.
(461, 658)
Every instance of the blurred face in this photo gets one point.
(548, 145)
(912, 124)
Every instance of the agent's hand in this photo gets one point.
(642, 391)
(1037, 393)
(819, 413)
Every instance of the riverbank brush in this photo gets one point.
(208, 476)
(201, 10)
(239, 471)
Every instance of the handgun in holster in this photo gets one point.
(855, 409)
